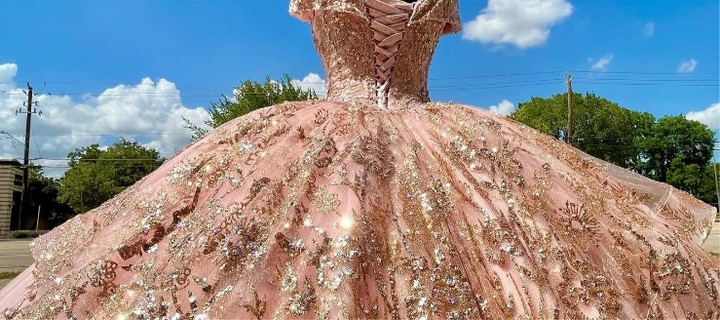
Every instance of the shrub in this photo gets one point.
(19, 234)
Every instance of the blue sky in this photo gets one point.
(76, 50)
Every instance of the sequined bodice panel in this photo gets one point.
(377, 50)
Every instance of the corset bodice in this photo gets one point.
(377, 50)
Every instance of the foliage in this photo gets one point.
(675, 143)
(44, 195)
(9, 275)
(672, 149)
(97, 175)
(248, 97)
(197, 131)
(20, 234)
(600, 126)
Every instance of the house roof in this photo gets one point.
(8, 162)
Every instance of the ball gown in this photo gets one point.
(376, 203)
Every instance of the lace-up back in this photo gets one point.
(378, 50)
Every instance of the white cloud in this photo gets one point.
(523, 23)
(601, 64)
(315, 82)
(687, 66)
(710, 116)
(7, 72)
(649, 29)
(504, 108)
(149, 112)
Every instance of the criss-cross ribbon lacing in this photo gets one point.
(388, 21)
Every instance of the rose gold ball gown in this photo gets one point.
(377, 204)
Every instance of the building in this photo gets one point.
(11, 188)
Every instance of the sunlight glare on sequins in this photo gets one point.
(121, 317)
(347, 222)
(130, 293)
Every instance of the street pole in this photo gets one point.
(26, 160)
(568, 134)
(37, 222)
(717, 189)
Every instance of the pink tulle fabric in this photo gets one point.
(325, 210)
(377, 209)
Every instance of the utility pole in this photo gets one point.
(26, 161)
(715, 171)
(568, 134)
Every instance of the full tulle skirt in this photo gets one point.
(332, 210)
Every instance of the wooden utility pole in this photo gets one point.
(715, 171)
(568, 134)
(26, 160)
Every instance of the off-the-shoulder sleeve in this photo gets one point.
(445, 11)
(305, 9)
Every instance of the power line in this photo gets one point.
(69, 167)
(496, 75)
(36, 145)
(169, 134)
(529, 82)
(518, 74)
(93, 159)
(11, 137)
(649, 84)
(656, 80)
(460, 87)
(498, 87)
(216, 95)
(645, 72)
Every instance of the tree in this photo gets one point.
(43, 193)
(248, 97)
(673, 144)
(672, 149)
(97, 175)
(707, 192)
(600, 125)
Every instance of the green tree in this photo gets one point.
(97, 175)
(44, 196)
(673, 146)
(600, 126)
(248, 97)
(672, 149)
(707, 192)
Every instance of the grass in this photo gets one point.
(8, 275)
(20, 234)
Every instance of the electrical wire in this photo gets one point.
(36, 146)
(93, 159)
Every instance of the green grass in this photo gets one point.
(20, 234)
(8, 275)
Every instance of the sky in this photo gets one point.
(105, 69)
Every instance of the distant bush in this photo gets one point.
(19, 234)
(8, 275)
